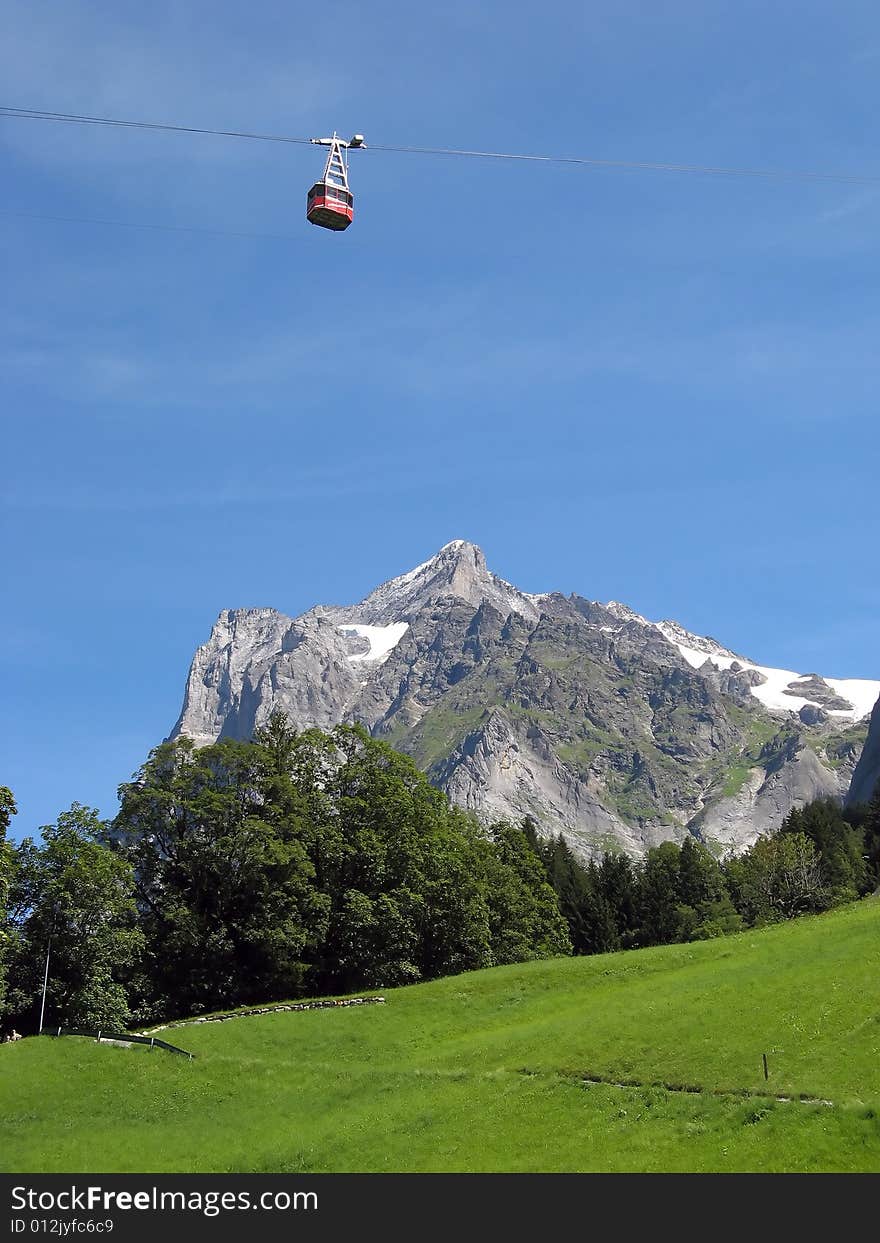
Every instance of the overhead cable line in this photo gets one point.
(646, 166)
(588, 161)
(28, 114)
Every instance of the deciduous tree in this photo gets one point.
(73, 897)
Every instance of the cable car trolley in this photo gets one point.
(330, 203)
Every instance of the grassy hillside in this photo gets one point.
(486, 1071)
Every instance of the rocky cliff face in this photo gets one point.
(866, 778)
(602, 725)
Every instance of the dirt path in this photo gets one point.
(693, 1089)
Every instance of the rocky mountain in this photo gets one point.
(866, 778)
(612, 729)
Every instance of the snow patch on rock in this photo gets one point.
(862, 693)
(778, 691)
(382, 640)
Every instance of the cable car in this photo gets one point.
(330, 203)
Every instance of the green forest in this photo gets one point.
(308, 864)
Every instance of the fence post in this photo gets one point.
(152, 1043)
(98, 1040)
(766, 1071)
(58, 1033)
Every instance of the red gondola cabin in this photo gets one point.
(330, 203)
(330, 206)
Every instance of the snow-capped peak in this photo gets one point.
(459, 570)
(624, 613)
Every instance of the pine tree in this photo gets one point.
(525, 914)
(840, 846)
(618, 885)
(658, 895)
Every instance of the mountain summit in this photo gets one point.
(595, 721)
(457, 571)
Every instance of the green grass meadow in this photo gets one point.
(486, 1071)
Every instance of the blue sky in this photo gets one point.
(651, 387)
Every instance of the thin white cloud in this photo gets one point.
(853, 205)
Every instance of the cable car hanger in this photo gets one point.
(330, 202)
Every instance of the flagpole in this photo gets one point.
(45, 982)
